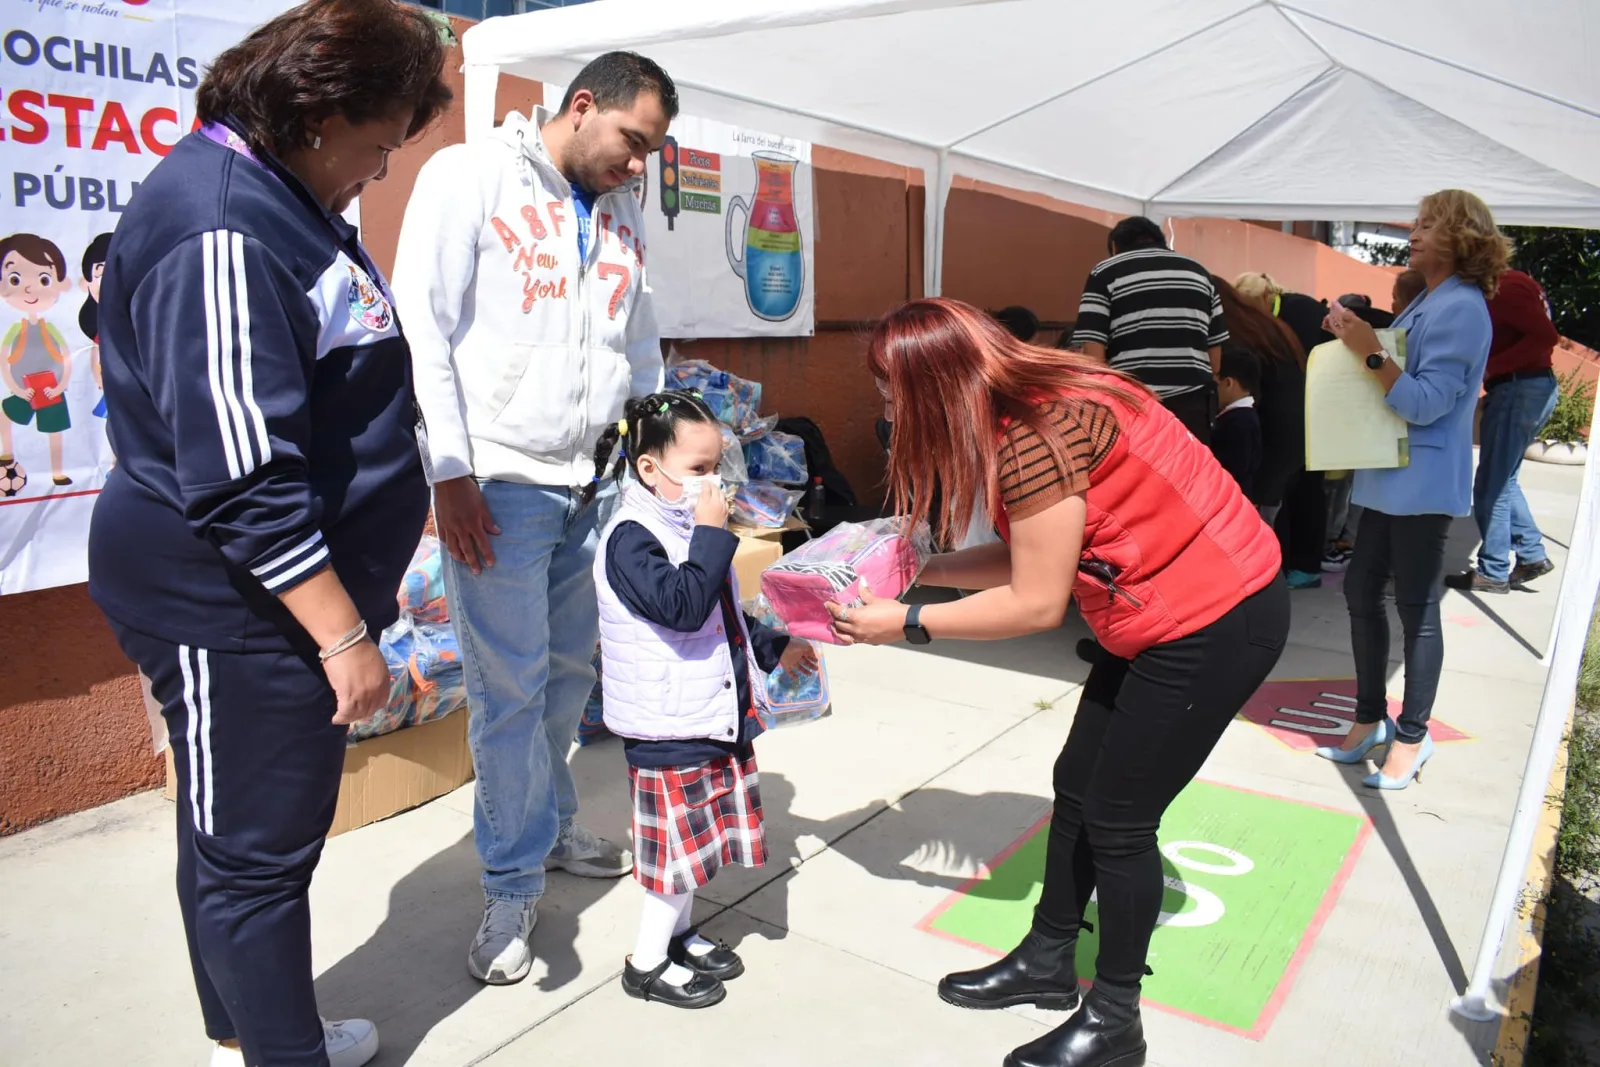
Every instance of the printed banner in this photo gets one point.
(730, 221)
(96, 92)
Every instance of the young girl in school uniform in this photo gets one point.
(678, 651)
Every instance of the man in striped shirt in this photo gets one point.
(1154, 314)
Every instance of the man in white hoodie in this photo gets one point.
(521, 281)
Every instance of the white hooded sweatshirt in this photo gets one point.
(523, 355)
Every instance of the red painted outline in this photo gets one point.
(51, 496)
(1241, 717)
(1291, 970)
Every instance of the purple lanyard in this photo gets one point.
(227, 138)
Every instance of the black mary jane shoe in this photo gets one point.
(1040, 971)
(721, 963)
(1100, 1034)
(701, 991)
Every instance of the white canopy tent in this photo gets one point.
(1263, 109)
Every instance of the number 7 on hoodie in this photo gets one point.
(623, 276)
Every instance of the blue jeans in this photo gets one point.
(1513, 412)
(527, 628)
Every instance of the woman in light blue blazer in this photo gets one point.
(1458, 249)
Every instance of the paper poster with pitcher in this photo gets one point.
(731, 232)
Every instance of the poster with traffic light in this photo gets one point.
(730, 225)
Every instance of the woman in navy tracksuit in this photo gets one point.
(269, 492)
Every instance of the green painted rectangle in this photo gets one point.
(1248, 876)
(711, 205)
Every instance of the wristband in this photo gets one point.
(345, 643)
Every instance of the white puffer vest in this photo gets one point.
(660, 684)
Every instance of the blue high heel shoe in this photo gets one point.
(1383, 734)
(1382, 781)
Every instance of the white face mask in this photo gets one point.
(691, 484)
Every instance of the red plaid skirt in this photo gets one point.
(689, 822)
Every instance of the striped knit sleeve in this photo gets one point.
(230, 369)
(1031, 477)
(1094, 311)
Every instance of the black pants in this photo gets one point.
(1144, 727)
(1303, 522)
(1411, 548)
(1195, 410)
(258, 761)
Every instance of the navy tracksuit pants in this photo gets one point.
(258, 762)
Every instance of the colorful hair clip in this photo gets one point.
(622, 427)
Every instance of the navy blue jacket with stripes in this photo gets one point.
(261, 410)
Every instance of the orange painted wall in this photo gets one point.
(73, 732)
(1229, 248)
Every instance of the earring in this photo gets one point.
(316, 142)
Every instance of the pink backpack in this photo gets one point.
(832, 569)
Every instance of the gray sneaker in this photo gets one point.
(500, 954)
(581, 853)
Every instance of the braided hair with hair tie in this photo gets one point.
(648, 425)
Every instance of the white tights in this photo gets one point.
(663, 917)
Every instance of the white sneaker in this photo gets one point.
(350, 1043)
(500, 954)
(586, 855)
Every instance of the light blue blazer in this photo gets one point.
(1447, 346)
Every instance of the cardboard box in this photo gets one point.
(769, 533)
(753, 556)
(396, 772)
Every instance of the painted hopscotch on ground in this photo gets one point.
(1250, 879)
(1304, 713)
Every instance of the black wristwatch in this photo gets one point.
(914, 630)
(1376, 360)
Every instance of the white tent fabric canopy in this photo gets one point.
(1263, 109)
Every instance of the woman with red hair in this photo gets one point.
(1099, 493)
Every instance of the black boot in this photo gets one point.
(1040, 971)
(1105, 1032)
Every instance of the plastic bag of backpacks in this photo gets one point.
(732, 467)
(426, 680)
(734, 400)
(592, 727)
(777, 457)
(784, 699)
(422, 589)
(763, 504)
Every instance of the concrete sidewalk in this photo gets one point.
(1347, 918)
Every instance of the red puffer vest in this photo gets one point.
(1171, 545)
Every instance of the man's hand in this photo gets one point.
(461, 516)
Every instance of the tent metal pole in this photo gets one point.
(933, 213)
(482, 80)
(1574, 609)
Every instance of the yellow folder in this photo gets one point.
(1349, 426)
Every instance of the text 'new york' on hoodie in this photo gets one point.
(523, 354)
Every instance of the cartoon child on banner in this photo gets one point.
(33, 357)
(94, 268)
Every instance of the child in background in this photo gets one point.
(678, 687)
(1236, 432)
